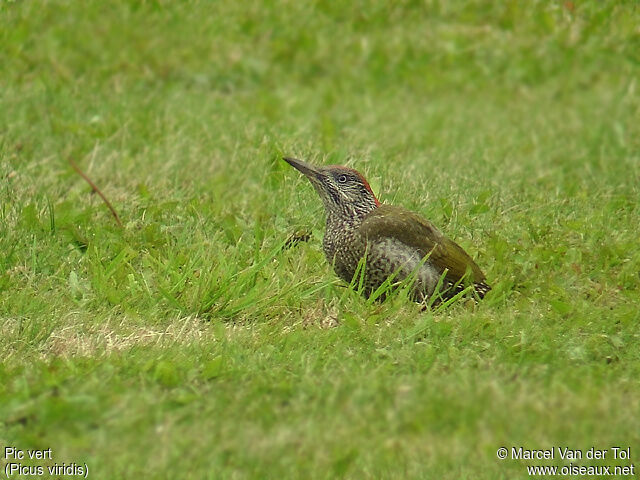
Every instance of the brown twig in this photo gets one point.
(97, 190)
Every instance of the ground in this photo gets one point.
(196, 342)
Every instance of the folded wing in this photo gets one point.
(388, 221)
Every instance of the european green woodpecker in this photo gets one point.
(393, 240)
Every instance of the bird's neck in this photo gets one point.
(343, 244)
(349, 217)
(342, 227)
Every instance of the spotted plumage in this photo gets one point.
(393, 240)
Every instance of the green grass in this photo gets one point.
(189, 344)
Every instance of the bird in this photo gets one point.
(391, 243)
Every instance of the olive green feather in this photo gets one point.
(388, 221)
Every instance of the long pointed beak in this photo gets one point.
(311, 172)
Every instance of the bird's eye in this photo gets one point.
(342, 179)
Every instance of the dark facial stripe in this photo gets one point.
(359, 175)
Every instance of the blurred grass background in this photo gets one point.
(189, 344)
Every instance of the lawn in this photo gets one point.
(197, 341)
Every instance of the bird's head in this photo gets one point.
(344, 191)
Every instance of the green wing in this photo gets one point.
(411, 229)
